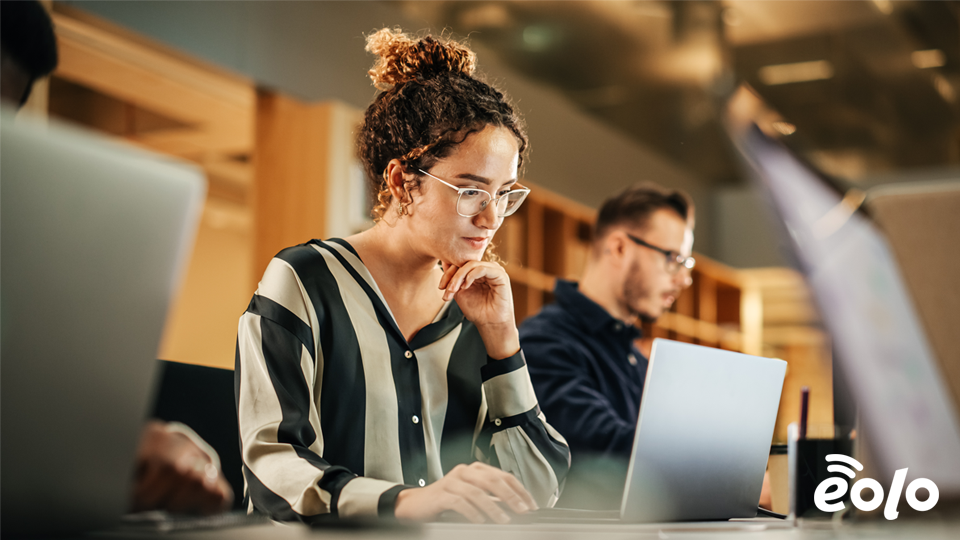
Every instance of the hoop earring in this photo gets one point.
(402, 210)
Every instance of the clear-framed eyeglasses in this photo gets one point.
(471, 201)
(675, 261)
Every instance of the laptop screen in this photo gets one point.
(904, 405)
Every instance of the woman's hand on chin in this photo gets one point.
(482, 290)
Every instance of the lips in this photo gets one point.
(477, 242)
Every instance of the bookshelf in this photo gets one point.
(763, 311)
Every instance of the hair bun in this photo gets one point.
(403, 59)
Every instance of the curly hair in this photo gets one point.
(429, 102)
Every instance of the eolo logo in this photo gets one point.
(822, 497)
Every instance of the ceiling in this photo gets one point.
(867, 87)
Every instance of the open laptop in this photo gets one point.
(95, 237)
(702, 439)
(905, 409)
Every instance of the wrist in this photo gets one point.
(500, 340)
(399, 511)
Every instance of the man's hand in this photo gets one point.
(175, 474)
(470, 490)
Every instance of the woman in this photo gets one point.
(382, 374)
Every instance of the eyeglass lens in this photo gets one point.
(474, 201)
(675, 262)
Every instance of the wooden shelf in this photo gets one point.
(764, 311)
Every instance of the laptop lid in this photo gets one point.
(94, 241)
(904, 406)
(703, 435)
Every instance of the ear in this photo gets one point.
(394, 177)
(615, 247)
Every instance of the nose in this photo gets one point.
(683, 278)
(487, 218)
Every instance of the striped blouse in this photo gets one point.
(338, 412)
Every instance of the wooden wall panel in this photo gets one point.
(290, 174)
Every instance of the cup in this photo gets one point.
(808, 466)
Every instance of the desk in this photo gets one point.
(934, 530)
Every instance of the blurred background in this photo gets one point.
(265, 96)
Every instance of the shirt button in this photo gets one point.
(422, 482)
(408, 354)
(632, 359)
(618, 327)
(497, 421)
(416, 419)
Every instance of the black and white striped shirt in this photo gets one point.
(328, 389)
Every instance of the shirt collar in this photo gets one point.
(590, 314)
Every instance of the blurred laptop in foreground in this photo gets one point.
(95, 237)
(905, 410)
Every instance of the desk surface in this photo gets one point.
(937, 530)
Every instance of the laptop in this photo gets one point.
(95, 237)
(905, 409)
(702, 440)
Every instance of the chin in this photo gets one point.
(647, 318)
(649, 315)
(461, 258)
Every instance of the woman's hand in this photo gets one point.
(482, 290)
(470, 490)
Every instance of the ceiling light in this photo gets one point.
(885, 6)
(796, 72)
(784, 128)
(928, 59)
(486, 16)
(945, 89)
(539, 37)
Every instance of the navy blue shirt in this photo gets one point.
(586, 371)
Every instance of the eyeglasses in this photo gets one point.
(471, 201)
(674, 259)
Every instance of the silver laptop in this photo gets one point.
(94, 241)
(702, 439)
(703, 435)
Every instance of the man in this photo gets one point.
(175, 469)
(581, 351)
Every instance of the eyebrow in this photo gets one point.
(482, 180)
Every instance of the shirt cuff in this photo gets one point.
(368, 497)
(507, 387)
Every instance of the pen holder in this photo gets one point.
(807, 463)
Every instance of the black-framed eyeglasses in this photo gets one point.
(674, 259)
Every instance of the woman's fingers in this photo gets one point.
(502, 485)
(518, 488)
(462, 506)
(491, 274)
(463, 277)
(479, 498)
(448, 272)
